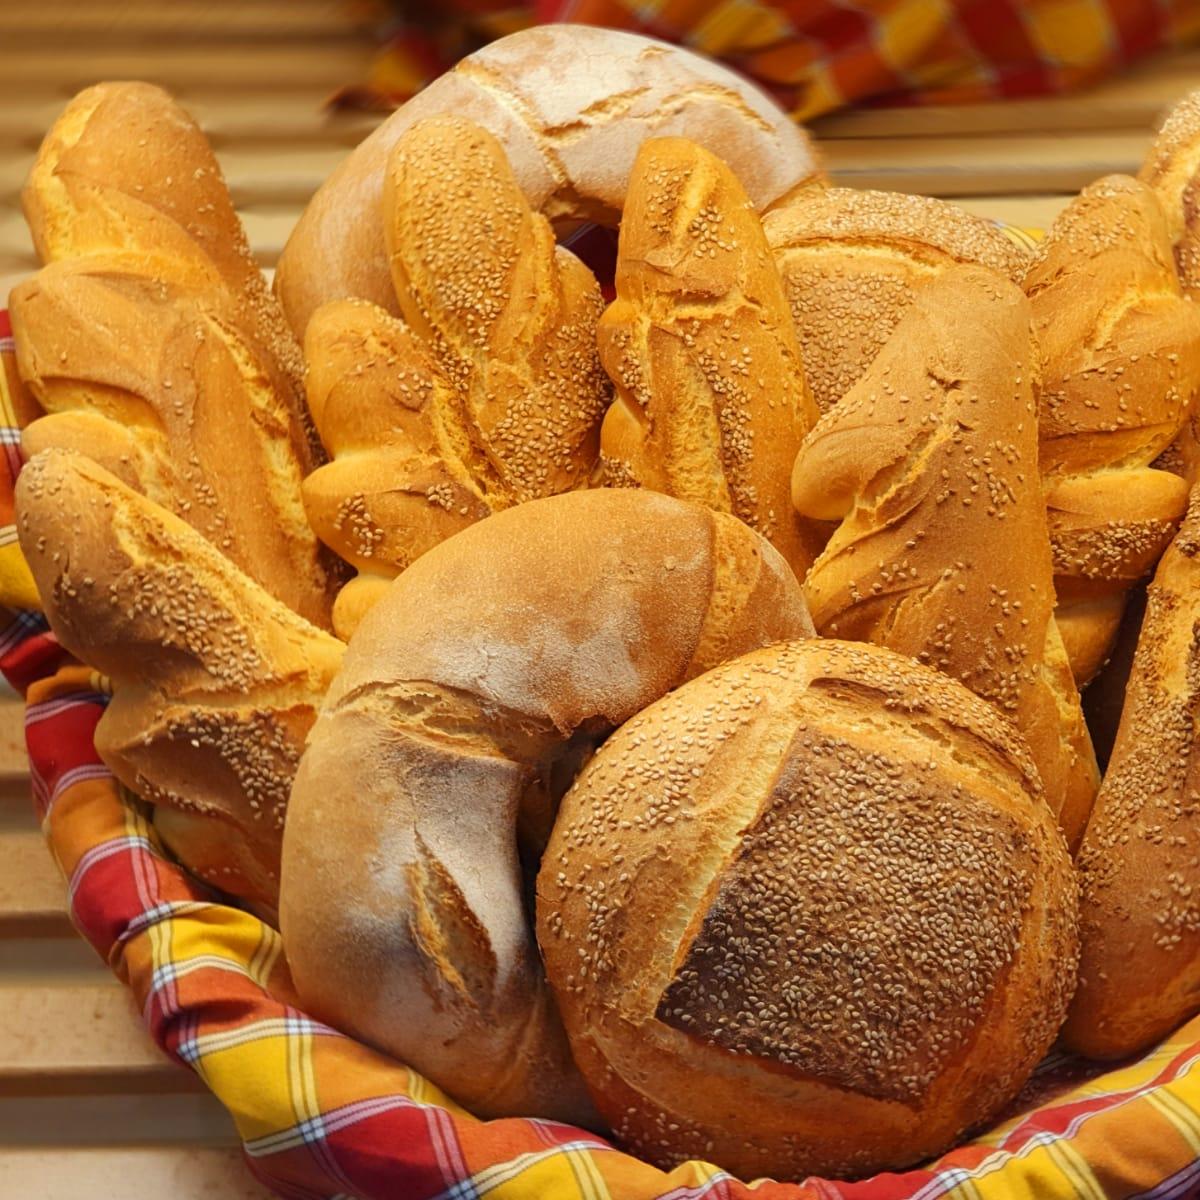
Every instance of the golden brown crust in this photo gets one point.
(943, 551)
(570, 105)
(215, 683)
(851, 262)
(488, 393)
(808, 913)
(1120, 369)
(1172, 169)
(153, 316)
(492, 663)
(711, 403)
(1139, 973)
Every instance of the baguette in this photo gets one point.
(711, 401)
(152, 342)
(930, 463)
(215, 684)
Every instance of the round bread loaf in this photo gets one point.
(808, 913)
(570, 104)
(469, 696)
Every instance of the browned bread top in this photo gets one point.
(851, 262)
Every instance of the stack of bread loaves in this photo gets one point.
(706, 761)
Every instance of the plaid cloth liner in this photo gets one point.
(323, 1116)
(818, 55)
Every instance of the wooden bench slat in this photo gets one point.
(33, 893)
(119, 1172)
(68, 1037)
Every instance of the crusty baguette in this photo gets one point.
(488, 393)
(1120, 350)
(711, 401)
(1139, 972)
(570, 105)
(153, 343)
(851, 262)
(808, 913)
(491, 666)
(930, 463)
(215, 683)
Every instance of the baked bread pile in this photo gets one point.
(706, 763)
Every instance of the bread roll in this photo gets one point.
(1120, 351)
(489, 393)
(942, 552)
(1139, 970)
(469, 694)
(570, 105)
(711, 402)
(851, 262)
(215, 684)
(153, 343)
(808, 913)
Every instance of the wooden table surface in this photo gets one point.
(87, 1105)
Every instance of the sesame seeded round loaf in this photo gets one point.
(468, 696)
(851, 262)
(1139, 971)
(571, 104)
(808, 914)
(215, 683)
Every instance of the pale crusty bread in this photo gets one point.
(1172, 169)
(1139, 972)
(492, 665)
(1120, 348)
(570, 104)
(942, 552)
(488, 393)
(851, 262)
(153, 342)
(808, 913)
(711, 402)
(215, 683)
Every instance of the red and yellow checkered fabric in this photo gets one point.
(321, 1116)
(818, 55)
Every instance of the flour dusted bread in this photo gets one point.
(711, 401)
(487, 393)
(152, 342)
(1139, 971)
(1120, 347)
(808, 914)
(852, 261)
(468, 696)
(930, 464)
(570, 104)
(215, 683)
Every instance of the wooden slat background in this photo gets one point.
(87, 1105)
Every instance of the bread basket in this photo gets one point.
(320, 1115)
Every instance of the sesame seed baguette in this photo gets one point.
(711, 400)
(851, 262)
(1139, 973)
(1120, 348)
(809, 913)
(152, 340)
(215, 683)
(468, 696)
(930, 464)
(570, 104)
(488, 393)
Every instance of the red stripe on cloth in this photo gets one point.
(1140, 26)
(846, 38)
(5, 324)
(999, 38)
